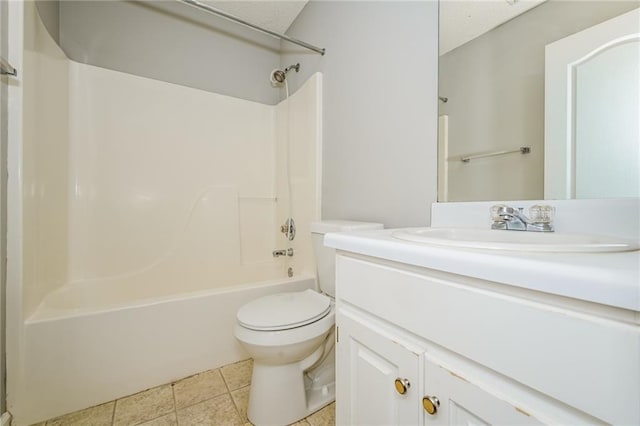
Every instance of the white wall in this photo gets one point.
(45, 167)
(169, 200)
(380, 106)
(299, 130)
(164, 179)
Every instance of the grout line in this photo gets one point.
(173, 392)
(175, 404)
(233, 401)
(226, 385)
(113, 413)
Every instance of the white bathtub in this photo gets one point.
(85, 353)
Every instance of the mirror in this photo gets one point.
(492, 101)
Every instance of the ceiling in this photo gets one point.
(274, 15)
(460, 20)
(464, 20)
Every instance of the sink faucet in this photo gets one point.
(287, 252)
(513, 219)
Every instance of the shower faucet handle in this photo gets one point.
(289, 229)
(287, 252)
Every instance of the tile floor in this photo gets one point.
(215, 397)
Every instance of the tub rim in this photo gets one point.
(42, 314)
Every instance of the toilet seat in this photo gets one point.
(284, 311)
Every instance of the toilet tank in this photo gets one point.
(325, 256)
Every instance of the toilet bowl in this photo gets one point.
(290, 337)
(283, 352)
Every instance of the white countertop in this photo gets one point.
(606, 278)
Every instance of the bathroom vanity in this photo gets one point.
(440, 335)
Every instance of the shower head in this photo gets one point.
(278, 76)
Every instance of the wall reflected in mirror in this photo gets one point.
(492, 104)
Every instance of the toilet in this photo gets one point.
(290, 337)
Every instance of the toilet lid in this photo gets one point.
(284, 311)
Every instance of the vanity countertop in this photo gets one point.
(606, 278)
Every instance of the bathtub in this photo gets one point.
(87, 346)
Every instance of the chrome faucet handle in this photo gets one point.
(542, 213)
(508, 218)
(497, 216)
(497, 212)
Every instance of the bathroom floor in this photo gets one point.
(214, 397)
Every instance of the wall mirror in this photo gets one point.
(493, 91)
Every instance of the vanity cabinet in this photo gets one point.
(392, 381)
(470, 351)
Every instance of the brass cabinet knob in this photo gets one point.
(430, 404)
(402, 385)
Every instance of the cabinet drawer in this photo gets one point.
(590, 363)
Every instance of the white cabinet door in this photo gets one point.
(462, 402)
(368, 362)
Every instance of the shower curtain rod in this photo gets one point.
(230, 17)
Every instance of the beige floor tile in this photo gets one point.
(241, 399)
(198, 388)
(302, 422)
(168, 420)
(94, 416)
(144, 406)
(324, 417)
(218, 411)
(238, 375)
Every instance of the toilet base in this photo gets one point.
(283, 394)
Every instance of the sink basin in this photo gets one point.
(488, 239)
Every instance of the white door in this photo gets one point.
(592, 104)
(368, 363)
(455, 400)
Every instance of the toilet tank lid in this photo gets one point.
(326, 226)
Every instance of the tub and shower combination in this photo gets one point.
(141, 240)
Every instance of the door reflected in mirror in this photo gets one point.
(494, 87)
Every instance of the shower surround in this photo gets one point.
(150, 211)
